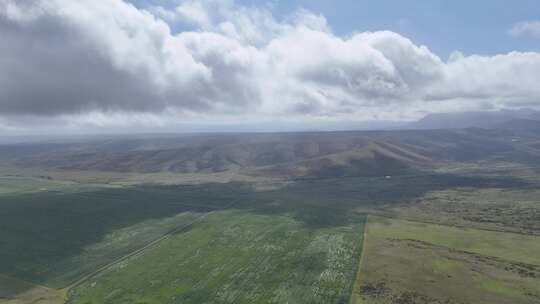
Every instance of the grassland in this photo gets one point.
(515, 210)
(237, 257)
(407, 262)
(510, 246)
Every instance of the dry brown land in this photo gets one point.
(404, 262)
(13, 291)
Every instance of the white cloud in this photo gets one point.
(526, 28)
(194, 12)
(502, 81)
(109, 62)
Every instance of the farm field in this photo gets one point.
(408, 262)
(59, 236)
(236, 257)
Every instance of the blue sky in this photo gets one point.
(479, 26)
(472, 27)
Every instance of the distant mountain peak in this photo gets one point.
(475, 119)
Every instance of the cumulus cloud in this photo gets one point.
(108, 61)
(526, 28)
(503, 80)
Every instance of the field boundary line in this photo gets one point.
(360, 262)
(448, 225)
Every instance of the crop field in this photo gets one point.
(56, 237)
(407, 262)
(237, 257)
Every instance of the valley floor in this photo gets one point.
(434, 238)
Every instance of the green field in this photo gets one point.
(308, 250)
(237, 257)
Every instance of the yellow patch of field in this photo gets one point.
(13, 291)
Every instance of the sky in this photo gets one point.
(472, 27)
(180, 65)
